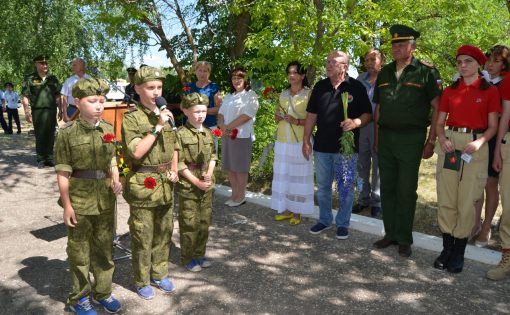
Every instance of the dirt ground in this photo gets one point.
(260, 266)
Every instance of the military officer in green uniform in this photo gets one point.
(152, 160)
(405, 91)
(88, 180)
(197, 159)
(41, 91)
(131, 94)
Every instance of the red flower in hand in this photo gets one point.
(217, 132)
(266, 91)
(149, 183)
(453, 160)
(186, 89)
(109, 137)
(233, 133)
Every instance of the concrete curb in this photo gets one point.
(375, 226)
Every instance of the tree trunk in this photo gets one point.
(240, 26)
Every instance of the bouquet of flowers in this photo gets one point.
(347, 139)
(345, 171)
(121, 164)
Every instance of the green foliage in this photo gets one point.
(265, 129)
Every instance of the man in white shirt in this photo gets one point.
(10, 103)
(68, 107)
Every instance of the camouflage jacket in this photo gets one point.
(80, 146)
(136, 125)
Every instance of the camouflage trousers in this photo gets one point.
(89, 248)
(195, 216)
(151, 233)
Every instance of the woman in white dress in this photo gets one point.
(292, 187)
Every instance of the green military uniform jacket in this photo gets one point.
(136, 125)
(41, 93)
(80, 146)
(404, 104)
(195, 148)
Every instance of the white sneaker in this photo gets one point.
(235, 204)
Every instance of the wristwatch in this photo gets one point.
(155, 132)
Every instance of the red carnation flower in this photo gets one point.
(266, 91)
(109, 137)
(233, 133)
(217, 132)
(186, 88)
(149, 183)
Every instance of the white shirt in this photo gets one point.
(11, 99)
(67, 88)
(234, 105)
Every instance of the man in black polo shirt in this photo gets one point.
(325, 110)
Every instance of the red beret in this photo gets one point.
(474, 52)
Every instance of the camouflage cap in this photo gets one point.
(194, 99)
(41, 58)
(147, 74)
(89, 87)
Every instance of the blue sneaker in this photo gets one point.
(164, 285)
(83, 307)
(146, 293)
(194, 265)
(204, 262)
(318, 228)
(110, 304)
(342, 233)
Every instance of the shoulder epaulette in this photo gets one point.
(426, 63)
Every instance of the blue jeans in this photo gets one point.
(325, 164)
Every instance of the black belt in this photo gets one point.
(466, 130)
(90, 174)
(161, 168)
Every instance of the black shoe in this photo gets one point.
(375, 212)
(41, 164)
(357, 208)
(404, 251)
(49, 163)
(383, 243)
(441, 262)
(456, 261)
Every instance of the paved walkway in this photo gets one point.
(260, 266)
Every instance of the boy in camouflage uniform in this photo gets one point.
(149, 141)
(197, 159)
(88, 180)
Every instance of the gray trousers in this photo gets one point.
(369, 194)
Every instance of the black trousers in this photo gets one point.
(2, 122)
(13, 113)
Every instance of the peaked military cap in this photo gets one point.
(400, 33)
(194, 99)
(89, 87)
(147, 74)
(131, 70)
(41, 58)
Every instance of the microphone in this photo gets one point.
(162, 104)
